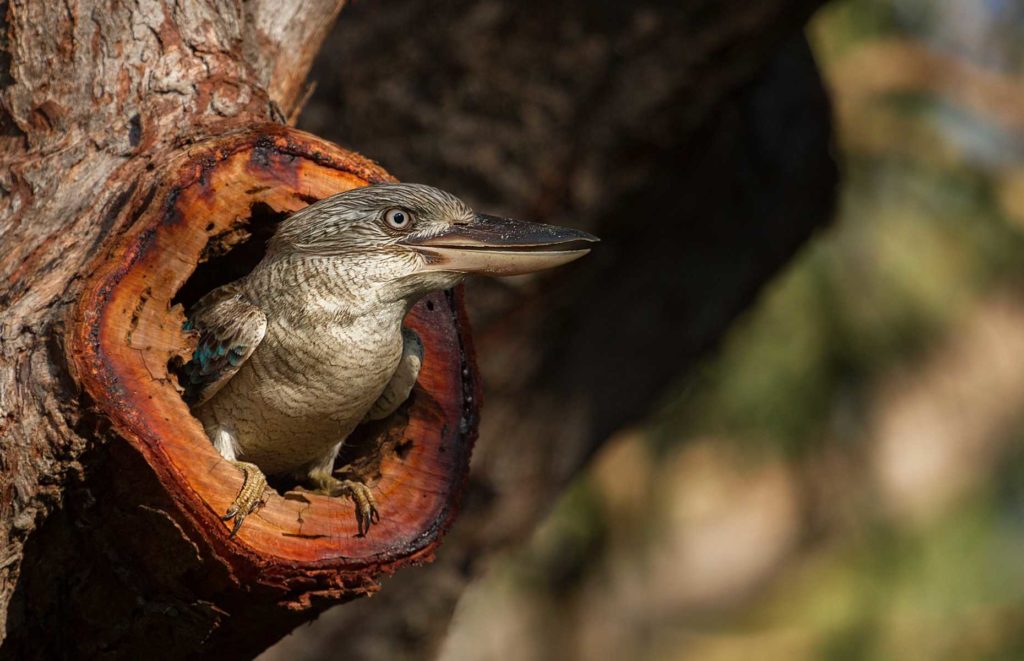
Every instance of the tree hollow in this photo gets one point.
(200, 221)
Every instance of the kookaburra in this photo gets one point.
(293, 356)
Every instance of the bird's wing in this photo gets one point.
(230, 327)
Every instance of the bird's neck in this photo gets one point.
(322, 288)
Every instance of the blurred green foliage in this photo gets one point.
(914, 248)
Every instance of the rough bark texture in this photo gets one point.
(693, 137)
(94, 98)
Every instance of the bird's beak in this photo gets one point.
(501, 246)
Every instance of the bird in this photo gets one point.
(292, 357)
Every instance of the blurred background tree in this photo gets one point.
(841, 477)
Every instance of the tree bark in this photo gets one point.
(694, 138)
(136, 145)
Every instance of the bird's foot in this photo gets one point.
(366, 506)
(250, 498)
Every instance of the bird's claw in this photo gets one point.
(366, 506)
(249, 498)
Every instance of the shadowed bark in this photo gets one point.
(693, 138)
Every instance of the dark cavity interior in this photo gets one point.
(231, 254)
(227, 256)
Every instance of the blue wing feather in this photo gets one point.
(230, 327)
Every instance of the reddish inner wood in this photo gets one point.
(128, 334)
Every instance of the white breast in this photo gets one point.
(304, 390)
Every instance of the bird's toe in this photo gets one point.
(366, 505)
(249, 499)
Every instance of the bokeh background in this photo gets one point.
(841, 474)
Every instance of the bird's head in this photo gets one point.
(415, 238)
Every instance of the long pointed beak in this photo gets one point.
(502, 246)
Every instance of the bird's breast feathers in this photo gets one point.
(303, 391)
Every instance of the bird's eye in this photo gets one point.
(399, 219)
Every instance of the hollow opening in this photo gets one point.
(231, 254)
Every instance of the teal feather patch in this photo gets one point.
(230, 327)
